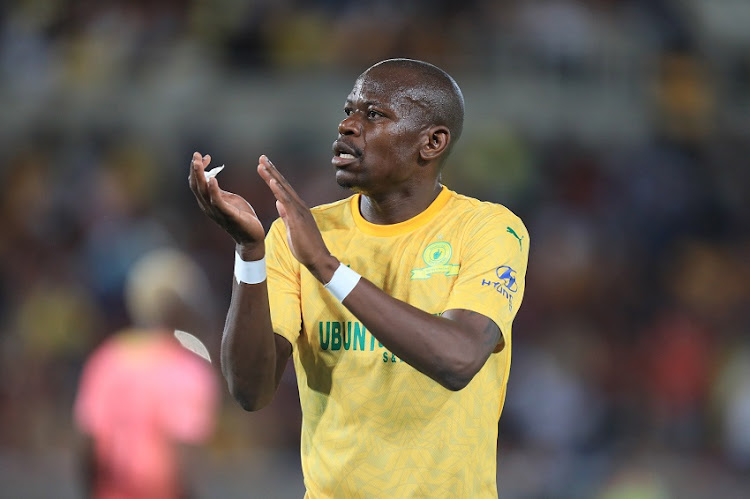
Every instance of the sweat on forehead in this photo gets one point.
(392, 78)
(391, 91)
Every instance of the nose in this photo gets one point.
(350, 126)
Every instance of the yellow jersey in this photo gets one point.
(372, 425)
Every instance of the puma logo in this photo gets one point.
(520, 239)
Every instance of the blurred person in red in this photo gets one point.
(142, 396)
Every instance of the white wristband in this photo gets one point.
(342, 282)
(249, 272)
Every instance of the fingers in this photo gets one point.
(289, 205)
(282, 212)
(197, 178)
(214, 193)
(207, 191)
(269, 172)
(279, 191)
(199, 163)
(284, 204)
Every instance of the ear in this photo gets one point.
(437, 140)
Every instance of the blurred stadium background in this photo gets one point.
(619, 130)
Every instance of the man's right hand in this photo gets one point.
(230, 211)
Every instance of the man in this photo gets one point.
(402, 358)
(144, 400)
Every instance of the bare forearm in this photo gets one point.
(439, 347)
(435, 346)
(249, 358)
(252, 356)
(449, 349)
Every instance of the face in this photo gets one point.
(377, 149)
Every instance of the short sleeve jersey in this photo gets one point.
(373, 426)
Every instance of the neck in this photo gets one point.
(398, 206)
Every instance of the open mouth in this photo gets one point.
(344, 154)
(342, 161)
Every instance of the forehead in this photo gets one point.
(393, 87)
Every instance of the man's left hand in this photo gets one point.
(302, 232)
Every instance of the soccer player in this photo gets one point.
(396, 303)
(145, 403)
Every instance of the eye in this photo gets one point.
(347, 111)
(373, 114)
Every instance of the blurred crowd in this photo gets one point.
(619, 130)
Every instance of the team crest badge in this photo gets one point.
(436, 256)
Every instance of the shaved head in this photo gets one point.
(430, 89)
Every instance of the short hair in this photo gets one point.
(440, 94)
